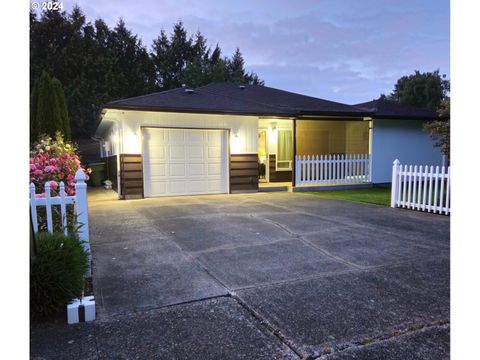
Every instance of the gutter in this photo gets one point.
(296, 114)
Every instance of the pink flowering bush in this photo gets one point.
(53, 161)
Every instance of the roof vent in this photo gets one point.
(242, 87)
(189, 91)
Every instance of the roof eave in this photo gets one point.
(400, 117)
(198, 111)
(357, 114)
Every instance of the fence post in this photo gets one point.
(296, 177)
(369, 167)
(33, 208)
(82, 213)
(394, 192)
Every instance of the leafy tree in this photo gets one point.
(428, 90)
(439, 130)
(425, 90)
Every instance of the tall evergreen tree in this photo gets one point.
(48, 112)
(61, 111)
(236, 66)
(97, 64)
(172, 56)
(34, 125)
(238, 73)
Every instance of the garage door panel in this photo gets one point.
(196, 170)
(177, 170)
(156, 187)
(185, 161)
(174, 136)
(214, 152)
(197, 186)
(178, 187)
(176, 152)
(214, 137)
(195, 152)
(157, 169)
(157, 153)
(195, 137)
(214, 169)
(215, 184)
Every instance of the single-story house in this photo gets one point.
(225, 138)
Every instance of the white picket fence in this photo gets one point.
(332, 169)
(424, 188)
(79, 200)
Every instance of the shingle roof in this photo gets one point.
(184, 100)
(230, 98)
(280, 99)
(236, 99)
(385, 109)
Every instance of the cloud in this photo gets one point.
(340, 50)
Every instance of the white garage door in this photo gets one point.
(185, 161)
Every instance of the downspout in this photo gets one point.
(370, 148)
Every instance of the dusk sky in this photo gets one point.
(348, 51)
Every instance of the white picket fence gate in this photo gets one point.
(424, 188)
(79, 200)
(332, 169)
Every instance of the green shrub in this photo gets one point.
(56, 273)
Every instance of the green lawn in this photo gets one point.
(379, 196)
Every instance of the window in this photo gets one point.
(284, 150)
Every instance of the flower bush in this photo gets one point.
(53, 161)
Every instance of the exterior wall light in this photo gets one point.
(235, 146)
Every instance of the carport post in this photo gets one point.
(294, 170)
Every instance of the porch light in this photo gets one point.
(236, 145)
(132, 143)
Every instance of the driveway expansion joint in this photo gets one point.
(309, 244)
(265, 325)
(106, 318)
(271, 311)
(335, 349)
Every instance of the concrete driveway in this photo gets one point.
(262, 276)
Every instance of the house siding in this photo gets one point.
(124, 138)
(131, 176)
(403, 140)
(243, 172)
(243, 128)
